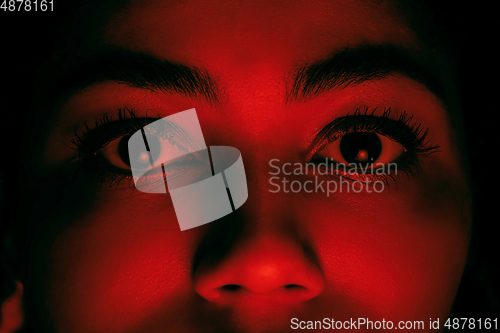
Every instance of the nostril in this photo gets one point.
(210, 287)
(293, 286)
(231, 287)
(236, 287)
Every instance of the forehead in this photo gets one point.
(242, 33)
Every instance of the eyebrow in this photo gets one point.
(141, 71)
(353, 66)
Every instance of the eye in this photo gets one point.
(363, 149)
(116, 153)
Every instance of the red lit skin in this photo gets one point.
(112, 262)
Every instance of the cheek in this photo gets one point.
(391, 255)
(116, 265)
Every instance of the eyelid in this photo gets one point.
(174, 134)
(107, 130)
(401, 129)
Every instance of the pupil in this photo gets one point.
(360, 148)
(142, 157)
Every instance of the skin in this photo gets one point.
(114, 259)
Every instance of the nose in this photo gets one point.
(277, 268)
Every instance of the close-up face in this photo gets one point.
(288, 84)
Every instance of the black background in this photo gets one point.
(470, 27)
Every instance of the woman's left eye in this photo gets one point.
(362, 149)
(116, 153)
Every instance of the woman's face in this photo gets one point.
(270, 78)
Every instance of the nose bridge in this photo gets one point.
(265, 207)
(266, 216)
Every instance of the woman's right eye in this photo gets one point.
(117, 153)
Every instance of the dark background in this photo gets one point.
(469, 26)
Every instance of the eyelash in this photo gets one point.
(104, 131)
(403, 130)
